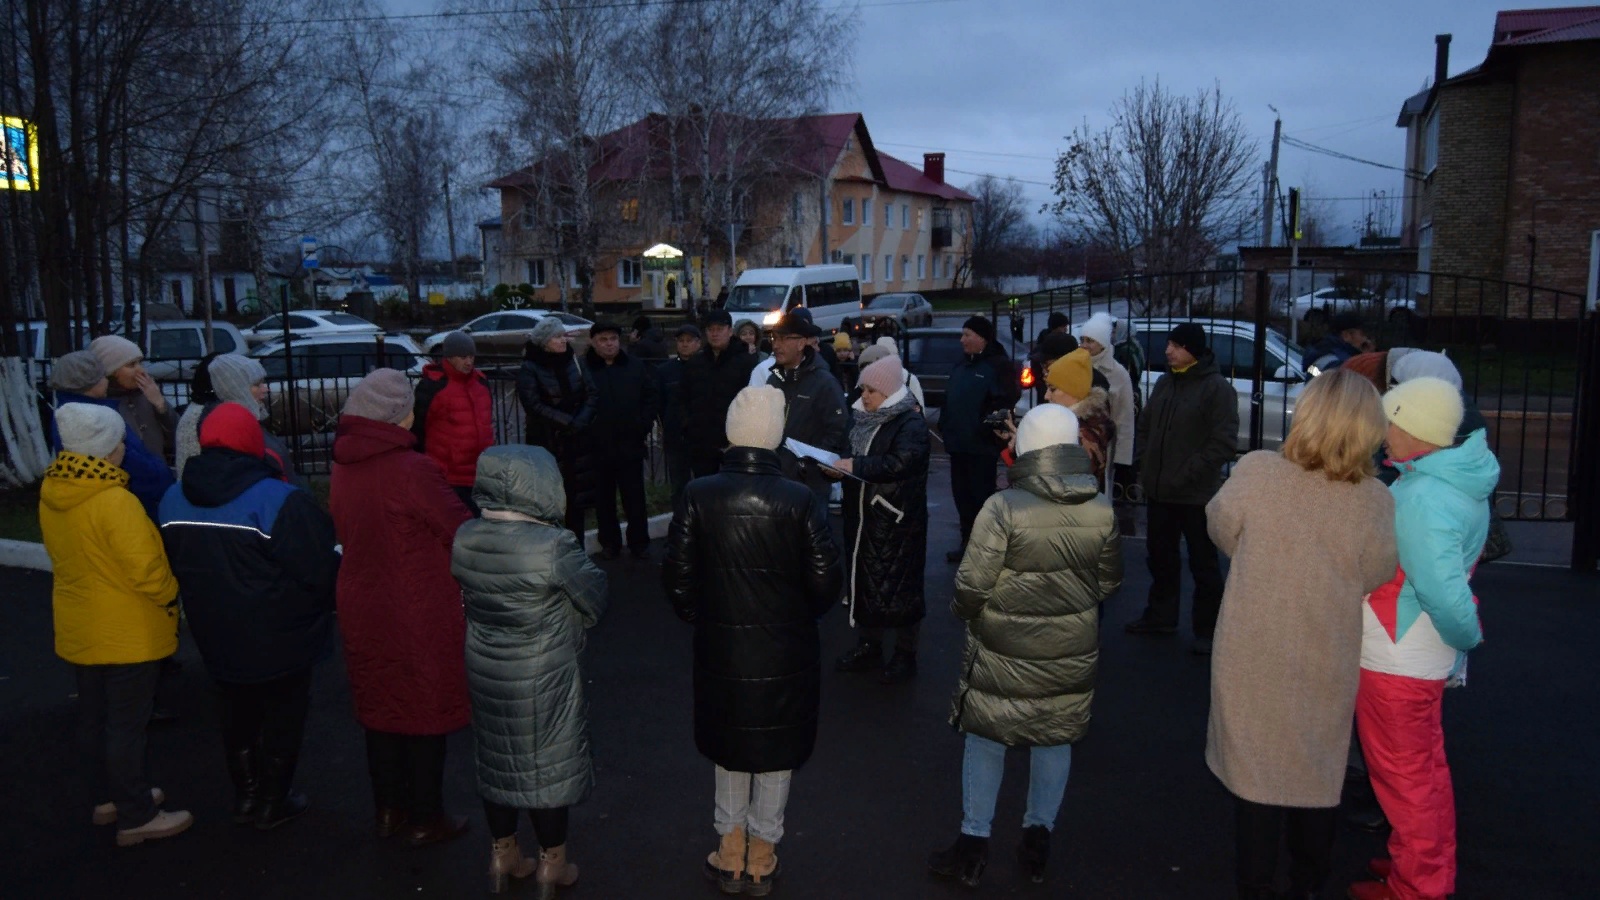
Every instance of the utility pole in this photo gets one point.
(450, 223)
(822, 216)
(202, 290)
(1269, 191)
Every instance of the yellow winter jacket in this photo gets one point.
(115, 599)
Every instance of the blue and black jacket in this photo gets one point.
(149, 477)
(256, 566)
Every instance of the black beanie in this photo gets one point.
(981, 327)
(641, 324)
(1057, 319)
(1057, 344)
(1190, 337)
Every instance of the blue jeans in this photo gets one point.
(984, 764)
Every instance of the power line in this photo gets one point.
(1313, 148)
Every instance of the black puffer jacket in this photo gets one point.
(1188, 431)
(886, 524)
(752, 564)
(814, 413)
(710, 382)
(627, 403)
(560, 400)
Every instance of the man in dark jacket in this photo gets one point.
(752, 564)
(1346, 337)
(627, 407)
(255, 562)
(1188, 432)
(710, 382)
(453, 422)
(669, 375)
(984, 381)
(813, 398)
(644, 341)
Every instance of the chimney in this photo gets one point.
(933, 166)
(1441, 58)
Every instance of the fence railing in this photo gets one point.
(1519, 349)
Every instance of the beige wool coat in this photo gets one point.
(1286, 656)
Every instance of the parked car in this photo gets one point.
(503, 334)
(173, 348)
(891, 314)
(1233, 343)
(930, 354)
(324, 369)
(310, 323)
(1318, 305)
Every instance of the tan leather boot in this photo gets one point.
(761, 868)
(725, 865)
(555, 871)
(507, 862)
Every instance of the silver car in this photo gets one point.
(1233, 343)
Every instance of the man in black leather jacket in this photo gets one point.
(814, 401)
(709, 384)
(752, 564)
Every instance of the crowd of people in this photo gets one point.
(453, 573)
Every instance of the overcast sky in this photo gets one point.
(998, 84)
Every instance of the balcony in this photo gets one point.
(941, 228)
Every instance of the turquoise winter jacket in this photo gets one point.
(1441, 522)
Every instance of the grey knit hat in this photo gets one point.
(89, 428)
(232, 376)
(385, 395)
(115, 351)
(77, 372)
(457, 343)
(548, 327)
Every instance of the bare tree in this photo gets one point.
(1001, 233)
(1163, 186)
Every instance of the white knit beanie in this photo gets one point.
(1425, 364)
(1429, 409)
(1098, 328)
(1046, 426)
(115, 351)
(755, 419)
(89, 428)
(888, 343)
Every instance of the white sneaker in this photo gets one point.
(106, 813)
(164, 825)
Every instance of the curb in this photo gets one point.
(24, 555)
(27, 555)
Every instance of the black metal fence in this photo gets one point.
(1520, 349)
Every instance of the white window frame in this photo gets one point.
(922, 266)
(866, 212)
(542, 273)
(847, 215)
(866, 268)
(905, 267)
(888, 214)
(888, 267)
(905, 216)
(628, 264)
(827, 211)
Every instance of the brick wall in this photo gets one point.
(1465, 197)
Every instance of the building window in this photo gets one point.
(525, 217)
(866, 213)
(849, 259)
(630, 272)
(888, 268)
(536, 273)
(888, 216)
(849, 216)
(1430, 142)
(177, 294)
(905, 215)
(922, 219)
(796, 211)
(628, 210)
(1424, 256)
(866, 267)
(905, 268)
(922, 266)
(827, 211)
(837, 257)
(949, 265)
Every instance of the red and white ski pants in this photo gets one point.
(1402, 738)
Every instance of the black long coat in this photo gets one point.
(886, 525)
(560, 399)
(709, 384)
(628, 401)
(752, 565)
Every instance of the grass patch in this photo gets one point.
(19, 514)
(1489, 372)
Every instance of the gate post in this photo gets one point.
(1258, 377)
(1583, 493)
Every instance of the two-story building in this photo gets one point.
(1503, 173)
(831, 196)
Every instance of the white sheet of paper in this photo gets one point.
(806, 451)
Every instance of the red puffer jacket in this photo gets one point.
(453, 423)
(399, 607)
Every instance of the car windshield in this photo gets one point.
(338, 318)
(756, 297)
(887, 301)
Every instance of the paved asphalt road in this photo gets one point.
(1143, 818)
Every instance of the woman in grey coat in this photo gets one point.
(530, 592)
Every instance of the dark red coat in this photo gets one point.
(453, 423)
(399, 607)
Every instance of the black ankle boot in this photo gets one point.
(863, 657)
(278, 802)
(1034, 852)
(963, 861)
(244, 767)
(902, 666)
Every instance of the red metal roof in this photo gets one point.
(903, 176)
(1521, 27)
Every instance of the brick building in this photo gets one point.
(1505, 181)
(831, 196)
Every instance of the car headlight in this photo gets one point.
(771, 318)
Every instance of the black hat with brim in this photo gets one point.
(602, 327)
(797, 322)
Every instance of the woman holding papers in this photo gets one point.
(886, 521)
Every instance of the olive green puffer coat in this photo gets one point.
(1043, 554)
(529, 591)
